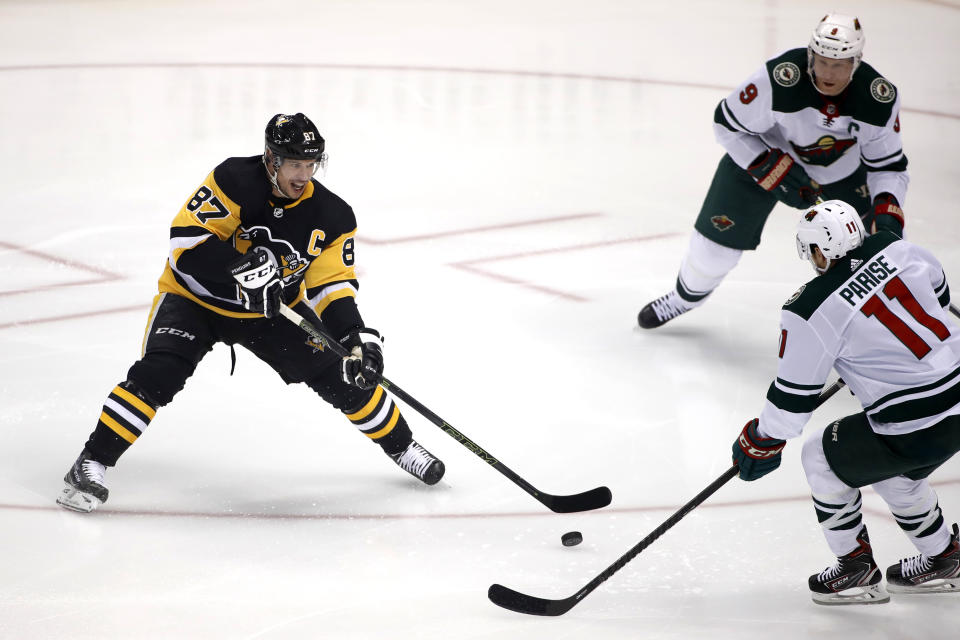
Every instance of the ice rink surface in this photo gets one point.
(525, 175)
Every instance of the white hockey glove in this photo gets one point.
(364, 366)
(259, 281)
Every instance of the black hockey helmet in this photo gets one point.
(294, 137)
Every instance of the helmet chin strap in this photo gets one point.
(273, 176)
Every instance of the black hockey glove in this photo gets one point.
(776, 172)
(755, 455)
(260, 285)
(364, 366)
(887, 214)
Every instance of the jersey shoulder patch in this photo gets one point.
(796, 295)
(792, 89)
(871, 97)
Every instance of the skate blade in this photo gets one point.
(874, 594)
(948, 585)
(74, 500)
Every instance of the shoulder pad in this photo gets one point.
(791, 85)
(241, 179)
(787, 69)
(872, 96)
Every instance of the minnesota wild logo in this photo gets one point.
(810, 215)
(882, 91)
(796, 294)
(722, 222)
(824, 151)
(786, 74)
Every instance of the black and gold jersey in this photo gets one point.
(311, 239)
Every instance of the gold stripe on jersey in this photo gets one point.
(334, 264)
(306, 195)
(210, 208)
(169, 284)
(117, 428)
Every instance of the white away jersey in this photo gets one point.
(779, 107)
(878, 317)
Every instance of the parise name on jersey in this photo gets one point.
(867, 278)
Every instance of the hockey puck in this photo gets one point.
(571, 538)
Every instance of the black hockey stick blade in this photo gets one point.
(531, 605)
(522, 603)
(586, 501)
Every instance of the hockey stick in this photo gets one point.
(954, 310)
(521, 603)
(586, 501)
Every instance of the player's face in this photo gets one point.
(294, 175)
(832, 76)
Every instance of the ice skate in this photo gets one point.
(84, 489)
(855, 579)
(665, 308)
(928, 574)
(419, 463)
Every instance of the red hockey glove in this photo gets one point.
(776, 172)
(887, 214)
(755, 455)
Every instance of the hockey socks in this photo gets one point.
(125, 416)
(380, 420)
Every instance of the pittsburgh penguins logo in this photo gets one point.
(288, 260)
(316, 345)
(786, 74)
(722, 222)
(824, 151)
(882, 91)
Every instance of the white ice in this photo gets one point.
(525, 175)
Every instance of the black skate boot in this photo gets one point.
(855, 579)
(85, 490)
(419, 463)
(665, 308)
(928, 574)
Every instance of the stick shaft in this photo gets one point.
(522, 603)
(593, 499)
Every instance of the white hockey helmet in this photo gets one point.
(834, 227)
(837, 36)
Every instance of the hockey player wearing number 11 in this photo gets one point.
(259, 232)
(812, 119)
(876, 312)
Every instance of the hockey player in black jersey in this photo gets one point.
(259, 232)
(877, 314)
(811, 121)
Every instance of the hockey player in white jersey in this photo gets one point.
(813, 121)
(876, 313)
